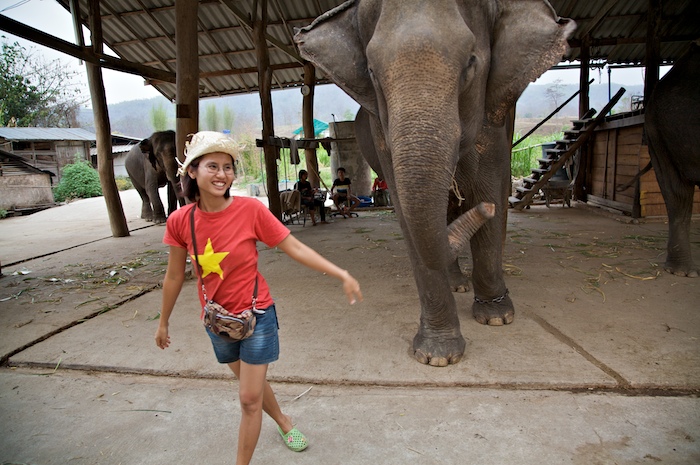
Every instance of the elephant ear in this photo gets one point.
(333, 44)
(529, 38)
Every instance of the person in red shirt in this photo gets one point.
(227, 229)
(380, 192)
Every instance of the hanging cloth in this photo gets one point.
(294, 152)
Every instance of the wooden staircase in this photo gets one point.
(556, 157)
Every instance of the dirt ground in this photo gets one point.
(556, 260)
(601, 365)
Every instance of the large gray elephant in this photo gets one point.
(436, 81)
(671, 126)
(162, 155)
(147, 179)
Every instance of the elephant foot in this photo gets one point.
(438, 351)
(159, 220)
(459, 283)
(689, 271)
(494, 312)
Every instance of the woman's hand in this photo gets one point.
(162, 337)
(351, 287)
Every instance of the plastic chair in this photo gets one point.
(291, 206)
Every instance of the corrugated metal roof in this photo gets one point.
(143, 31)
(115, 149)
(618, 29)
(45, 134)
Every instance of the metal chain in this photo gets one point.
(497, 300)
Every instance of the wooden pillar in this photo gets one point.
(105, 164)
(585, 58)
(653, 49)
(268, 129)
(308, 123)
(187, 73)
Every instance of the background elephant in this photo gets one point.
(437, 81)
(671, 126)
(147, 178)
(161, 152)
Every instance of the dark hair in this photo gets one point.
(190, 189)
(302, 172)
(340, 169)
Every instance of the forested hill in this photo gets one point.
(133, 118)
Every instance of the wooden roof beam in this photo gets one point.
(245, 21)
(576, 43)
(134, 33)
(106, 61)
(597, 19)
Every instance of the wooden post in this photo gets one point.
(105, 164)
(653, 49)
(585, 58)
(187, 73)
(268, 129)
(308, 122)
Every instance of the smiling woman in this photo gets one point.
(228, 276)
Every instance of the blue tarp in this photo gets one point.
(319, 127)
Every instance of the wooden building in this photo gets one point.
(22, 186)
(616, 153)
(48, 149)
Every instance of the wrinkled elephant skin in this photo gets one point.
(436, 82)
(146, 179)
(671, 126)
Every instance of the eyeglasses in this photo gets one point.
(213, 168)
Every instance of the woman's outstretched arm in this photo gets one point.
(312, 259)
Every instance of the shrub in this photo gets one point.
(123, 183)
(3, 213)
(79, 181)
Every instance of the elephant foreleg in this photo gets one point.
(439, 341)
(492, 305)
(146, 210)
(678, 196)
(172, 198)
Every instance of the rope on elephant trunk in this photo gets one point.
(455, 188)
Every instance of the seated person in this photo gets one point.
(307, 197)
(341, 192)
(380, 192)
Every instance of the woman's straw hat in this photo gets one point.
(205, 142)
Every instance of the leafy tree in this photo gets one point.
(555, 92)
(228, 118)
(34, 92)
(211, 118)
(79, 181)
(159, 117)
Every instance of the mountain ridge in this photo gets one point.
(133, 118)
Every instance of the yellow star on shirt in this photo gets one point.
(210, 261)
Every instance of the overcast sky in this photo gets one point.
(50, 17)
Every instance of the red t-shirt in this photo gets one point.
(227, 249)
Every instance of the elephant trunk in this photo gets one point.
(423, 176)
(463, 228)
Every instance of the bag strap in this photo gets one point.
(199, 268)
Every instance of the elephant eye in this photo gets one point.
(468, 72)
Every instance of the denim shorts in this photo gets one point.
(261, 348)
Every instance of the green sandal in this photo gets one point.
(294, 439)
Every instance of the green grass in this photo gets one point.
(524, 156)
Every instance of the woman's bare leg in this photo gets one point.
(269, 402)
